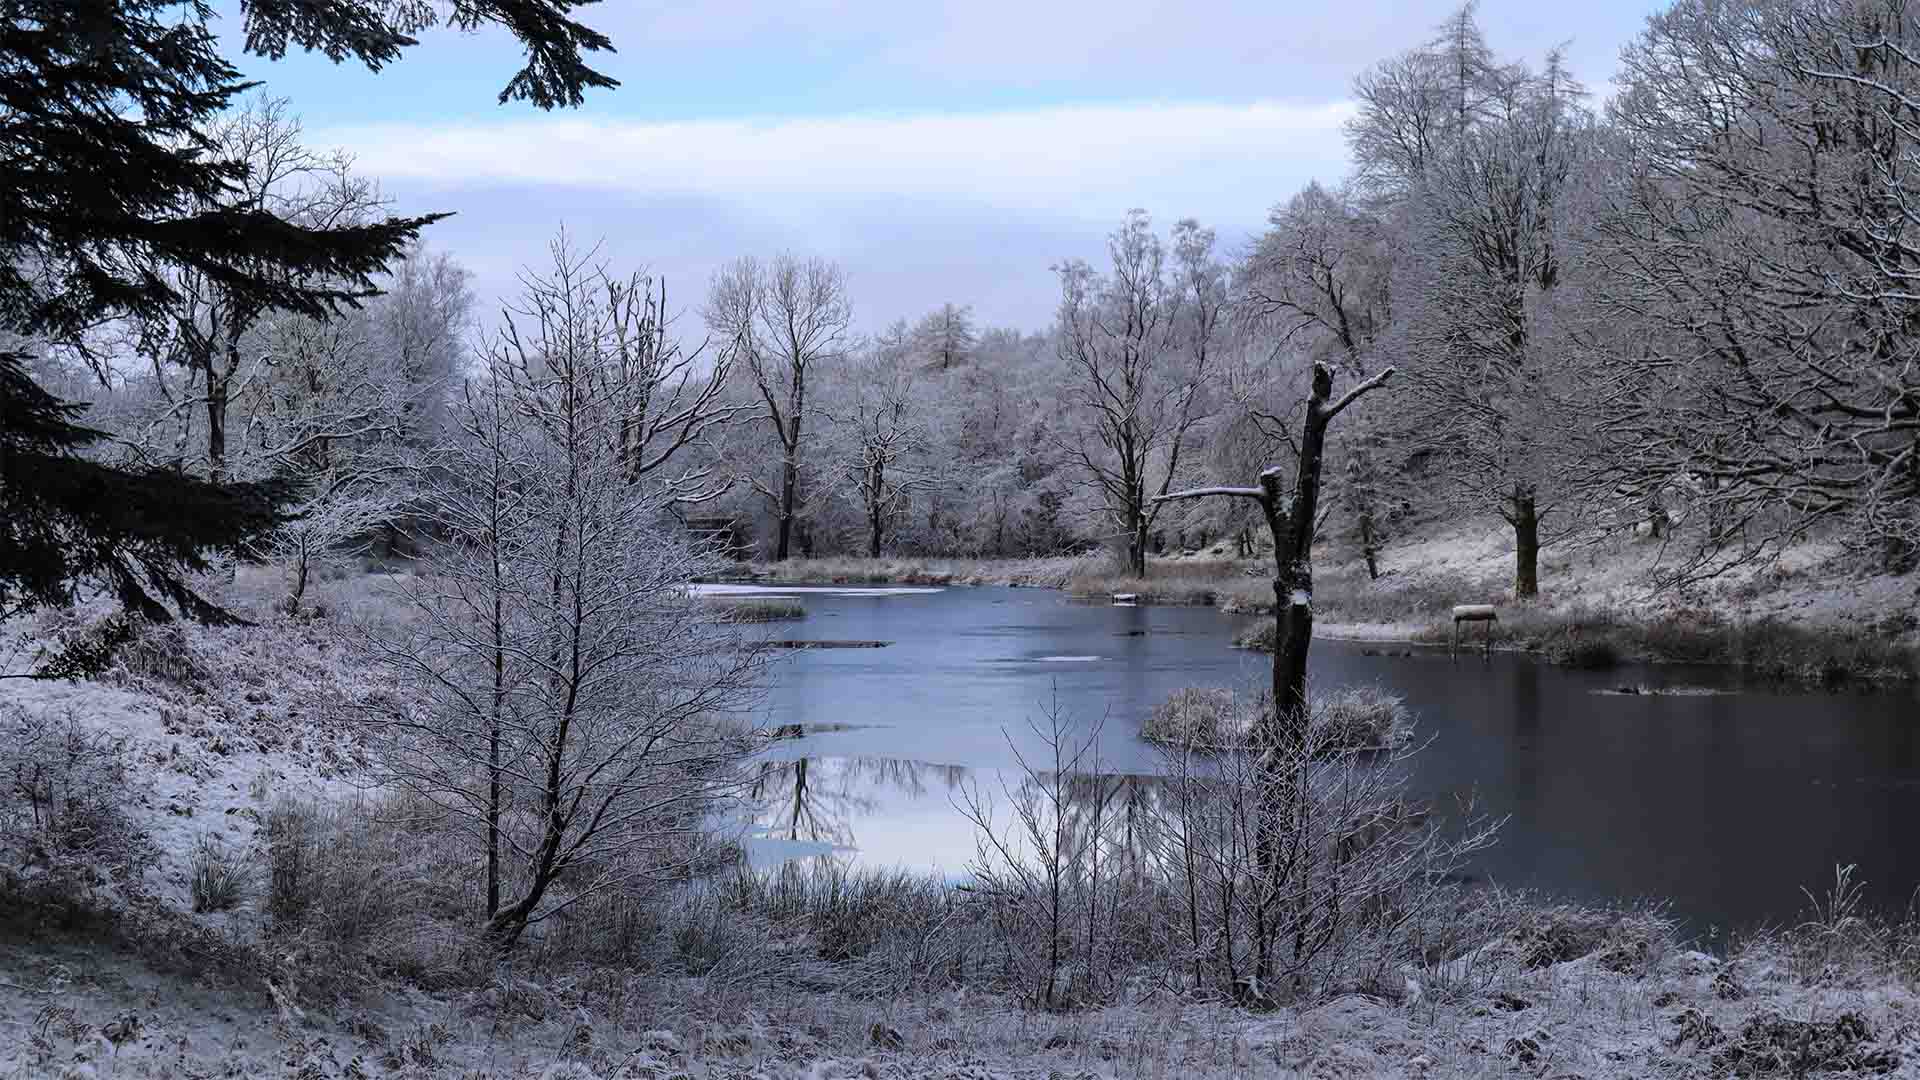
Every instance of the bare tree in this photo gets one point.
(1319, 280)
(783, 319)
(1486, 210)
(1320, 276)
(1292, 518)
(883, 452)
(1413, 104)
(210, 333)
(420, 324)
(579, 706)
(334, 401)
(1763, 237)
(1141, 344)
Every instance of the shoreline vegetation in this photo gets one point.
(1211, 719)
(1593, 628)
(758, 609)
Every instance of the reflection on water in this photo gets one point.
(855, 806)
(817, 800)
(1723, 803)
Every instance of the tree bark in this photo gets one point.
(493, 727)
(1137, 545)
(1368, 547)
(876, 509)
(789, 480)
(790, 459)
(1526, 544)
(1284, 744)
(216, 426)
(299, 591)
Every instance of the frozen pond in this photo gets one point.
(1724, 803)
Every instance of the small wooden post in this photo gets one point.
(1480, 613)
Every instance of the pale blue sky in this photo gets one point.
(940, 153)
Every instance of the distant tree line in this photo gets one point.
(1687, 313)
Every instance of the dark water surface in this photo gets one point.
(1723, 804)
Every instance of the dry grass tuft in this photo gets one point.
(759, 610)
(1214, 718)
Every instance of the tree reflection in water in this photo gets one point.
(822, 799)
(818, 799)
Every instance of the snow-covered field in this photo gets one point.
(1816, 584)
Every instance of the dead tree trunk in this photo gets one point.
(1281, 737)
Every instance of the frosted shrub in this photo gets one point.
(1198, 716)
(773, 609)
(1215, 719)
(1362, 718)
(217, 879)
(290, 829)
(64, 792)
(572, 712)
(1307, 866)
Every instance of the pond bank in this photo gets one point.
(1599, 629)
(1834, 657)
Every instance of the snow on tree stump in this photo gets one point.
(1469, 613)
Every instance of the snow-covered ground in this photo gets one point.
(244, 718)
(1815, 586)
(71, 1011)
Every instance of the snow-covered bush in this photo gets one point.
(65, 794)
(1198, 716)
(371, 885)
(1361, 718)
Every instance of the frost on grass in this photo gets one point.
(1350, 718)
(759, 610)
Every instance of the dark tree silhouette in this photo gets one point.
(109, 190)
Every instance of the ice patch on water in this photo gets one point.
(730, 589)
